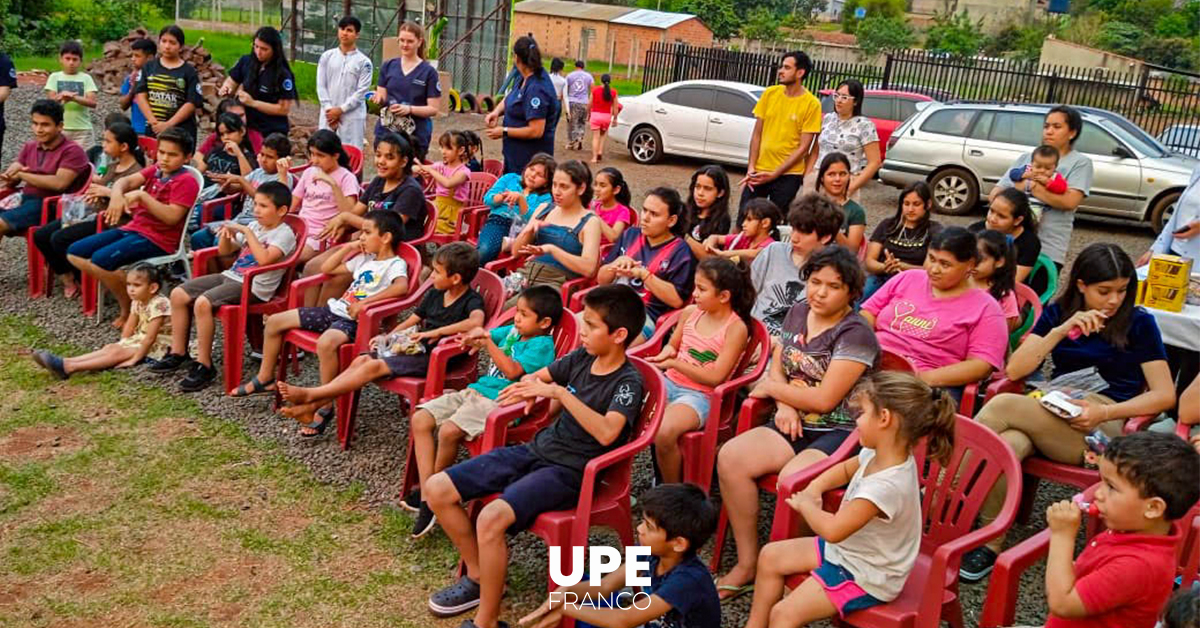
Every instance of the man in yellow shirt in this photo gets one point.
(788, 120)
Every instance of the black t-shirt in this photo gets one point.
(689, 589)
(219, 161)
(269, 85)
(1029, 246)
(909, 246)
(8, 78)
(406, 199)
(169, 89)
(435, 314)
(565, 442)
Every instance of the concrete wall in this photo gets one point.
(563, 36)
(995, 13)
(816, 50)
(1059, 52)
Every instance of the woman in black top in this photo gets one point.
(264, 83)
(1010, 214)
(169, 91)
(900, 243)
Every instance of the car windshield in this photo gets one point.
(756, 93)
(1131, 134)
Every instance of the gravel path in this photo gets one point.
(375, 462)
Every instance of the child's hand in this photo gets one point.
(324, 177)
(283, 164)
(1064, 517)
(534, 249)
(355, 309)
(799, 499)
(546, 616)
(332, 229)
(1195, 441)
(474, 338)
(1091, 416)
(668, 352)
(244, 97)
(762, 390)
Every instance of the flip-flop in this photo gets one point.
(257, 388)
(738, 591)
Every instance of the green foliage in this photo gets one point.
(880, 34)
(1019, 40)
(1121, 37)
(719, 15)
(875, 8)
(435, 37)
(1084, 29)
(1172, 25)
(955, 34)
(802, 13)
(1142, 13)
(1173, 52)
(762, 25)
(39, 28)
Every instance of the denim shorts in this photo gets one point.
(113, 249)
(697, 400)
(27, 214)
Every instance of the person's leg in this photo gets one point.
(442, 496)
(106, 357)
(107, 261)
(362, 371)
(423, 424)
(181, 319)
(784, 189)
(595, 143)
(277, 325)
(328, 345)
(491, 237)
(80, 256)
(678, 420)
(24, 216)
(1001, 416)
(449, 437)
(60, 241)
(42, 238)
(205, 330)
(776, 562)
(807, 604)
(740, 463)
(491, 527)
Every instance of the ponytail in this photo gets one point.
(922, 411)
(608, 93)
(734, 278)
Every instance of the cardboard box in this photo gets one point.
(1169, 270)
(1166, 298)
(391, 48)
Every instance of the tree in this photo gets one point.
(1121, 37)
(803, 12)
(762, 25)
(879, 34)
(1171, 52)
(955, 34)
(1172, 25)
(874, 8)
(718, 15)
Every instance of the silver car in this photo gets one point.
(962, 150)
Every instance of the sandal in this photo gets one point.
(734, 591)
(256, 388)
(324, 415)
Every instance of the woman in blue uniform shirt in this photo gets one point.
(409, 91)
(530, 110)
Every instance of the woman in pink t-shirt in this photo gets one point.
(952, 333)
(326, 188)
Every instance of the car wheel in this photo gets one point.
(1161, 213)
(645, 145)
(955, 191)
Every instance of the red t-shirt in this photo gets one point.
(256, 140)
(38, 160)
(180, 188)
(1123, 580)
(599, 105)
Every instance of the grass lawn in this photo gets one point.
(124, 505)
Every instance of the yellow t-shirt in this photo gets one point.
(784, 120)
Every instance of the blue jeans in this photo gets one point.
(874, 283)
(491, 237)
(203, 239)
(113, 249)
(23, 216)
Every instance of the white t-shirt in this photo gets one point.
(560, 87)
(267, 283)
(371, 276)
(882, 553)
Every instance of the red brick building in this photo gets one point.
(594, 32)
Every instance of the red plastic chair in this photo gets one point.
(232, 204)
(245, 319)
(566, 339)
(149, 146)
(477, 184)
(494, 167)
(301, 340)
(699, 447)
(951, 497)
(356, 160)
(39, 279)
(604, 492)
(411, 389)
(1000, 605)
(1025, 297)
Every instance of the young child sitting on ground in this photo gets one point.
(601, 396)
(705, 347)
(379, 274)
(450, 307)
(145, 335)
(1125, 574)
(522, 347)
(265, 241)
(860, 556)
(677, 520)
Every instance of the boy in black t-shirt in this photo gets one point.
(600, 394)
(677, 520)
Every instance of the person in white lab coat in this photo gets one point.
(343, 80)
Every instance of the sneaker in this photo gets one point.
(424, 522)
(51, 363)
(977, 564)
(169, 362)
(457, 598)
(412, 503)
(198, 378)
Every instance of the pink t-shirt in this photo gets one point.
(933, 332)
(740, 241)
(180, 188)
(461, 192)
(317, 203)
(619, 213)
(1008, 305)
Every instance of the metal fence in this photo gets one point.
(310, 26)
(1153, 97)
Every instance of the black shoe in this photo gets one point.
(51, 363)
(198, 378)
(170, 362)
(457, 598)
(412, 503)
(977, 564)
(424, 522)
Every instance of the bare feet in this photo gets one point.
(302, 412)
(294, 394)
(70, 289)
(119, 322)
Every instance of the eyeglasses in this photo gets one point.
(842, 97)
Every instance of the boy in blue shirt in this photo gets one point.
(677, 520)
(143, 50)
(600, 393)
(525, 346)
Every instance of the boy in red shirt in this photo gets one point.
(1125, 574)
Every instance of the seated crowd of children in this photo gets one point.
(940, 298)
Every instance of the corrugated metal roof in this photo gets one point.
(578, 10)
(652, 19)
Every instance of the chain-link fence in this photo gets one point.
(232, 16)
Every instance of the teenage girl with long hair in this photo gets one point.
(263, 82)
(707, 207)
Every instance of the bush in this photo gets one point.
(955, 34)
(1172, 25)
(762, 25)
(1172, 52)
(880, 34)
(35, 28)
(1121, 37)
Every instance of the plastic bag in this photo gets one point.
(74, 209)
(399, 342)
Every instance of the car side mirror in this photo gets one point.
(1121, 152)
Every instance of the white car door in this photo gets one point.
(681, 116)
(730, 126)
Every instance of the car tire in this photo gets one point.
(1160, 213)
(645, 145)
(955, 191)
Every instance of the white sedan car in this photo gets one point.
(1183, 139)
(710, 120)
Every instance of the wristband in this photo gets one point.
(504, 132)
